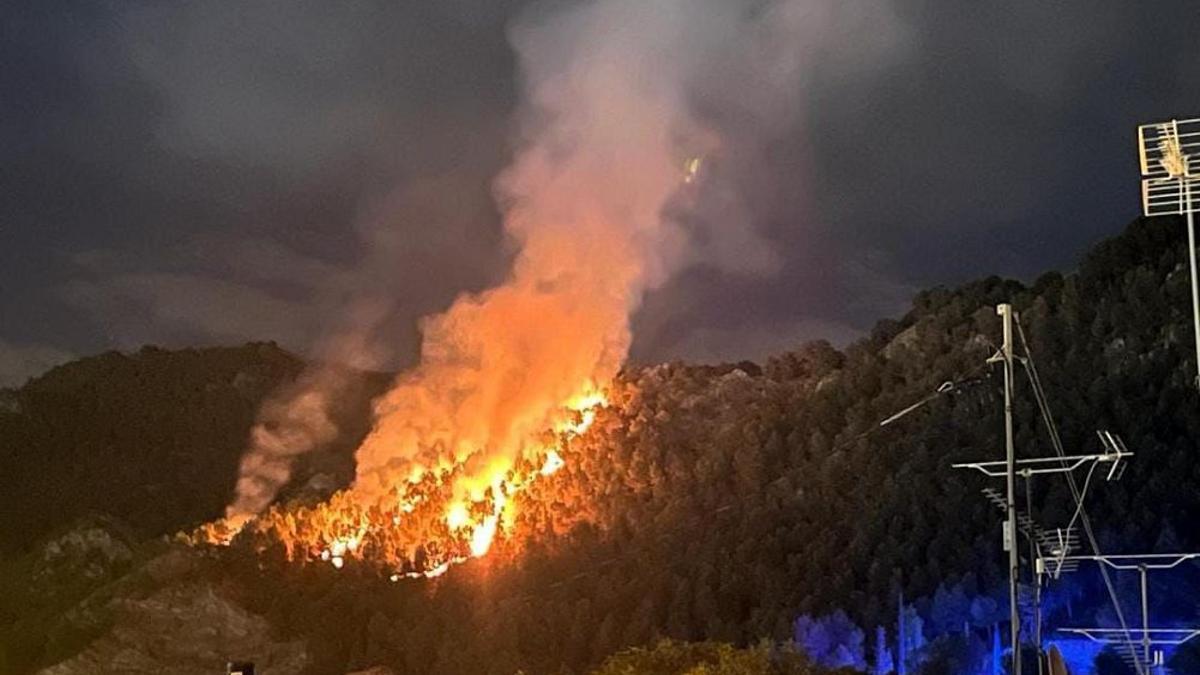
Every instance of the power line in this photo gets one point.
(1076, 493)
(946, 388)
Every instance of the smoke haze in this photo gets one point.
(609, 195)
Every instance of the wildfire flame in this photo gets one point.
(554, 462)
(595, 203)
(426, 525)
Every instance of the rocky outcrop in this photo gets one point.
(183, 629)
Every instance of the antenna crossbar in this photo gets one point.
(1039, 465)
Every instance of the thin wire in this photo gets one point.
(1079, 507)
(948, 387)
(1056, 441)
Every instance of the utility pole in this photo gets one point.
(1005, 311)
(1145, 616)
(1035, 565)
(1144, 659)
(1005, 355)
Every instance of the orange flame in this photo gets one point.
(554, 462)
(429, 525)
(507, 374)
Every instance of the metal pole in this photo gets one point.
(1145, 620)
(1036, 574)
(1191, 225)
(1006, 313)
(1037, 602)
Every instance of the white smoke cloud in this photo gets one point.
(293, 422)
(297, 418)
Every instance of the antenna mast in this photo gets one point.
(1010, 468)
(1005, 311)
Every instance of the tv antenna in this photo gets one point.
(1060, 545)
(1170, 175)
(1143, 563)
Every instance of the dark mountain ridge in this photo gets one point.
(707, 503)
(152, 437)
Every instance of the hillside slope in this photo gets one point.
(723, 502)
(152, 438)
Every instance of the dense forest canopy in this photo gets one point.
(729, 503)
(151, 437)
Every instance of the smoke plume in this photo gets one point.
(297, 418)
(609, 166)
(616, 185)
(294, 421)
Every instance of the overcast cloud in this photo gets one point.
(210, 173)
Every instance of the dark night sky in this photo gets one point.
(210, 173)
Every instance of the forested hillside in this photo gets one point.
(732, 503)
(153, 437)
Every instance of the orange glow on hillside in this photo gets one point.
(425, 525)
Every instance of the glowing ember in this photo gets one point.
(481, 538)
(457, 516)
(554, 462)
(438, 571)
